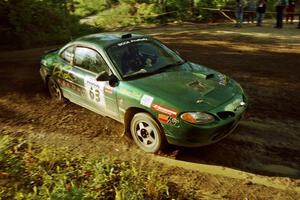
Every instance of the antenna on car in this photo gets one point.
(125, 36)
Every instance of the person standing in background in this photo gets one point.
(261, 10)
(239, 13)
(280, 6)
(290, 11)
(251, 9)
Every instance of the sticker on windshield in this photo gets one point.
(146, 100)
(131, 41)
(95, 91)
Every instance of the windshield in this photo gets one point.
(142, 56)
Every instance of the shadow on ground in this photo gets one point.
(251, 149)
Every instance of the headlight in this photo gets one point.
(197, 117)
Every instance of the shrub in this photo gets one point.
(30, 172)
(86, 8)
(124, 14)
(37, 22)
(116, 17)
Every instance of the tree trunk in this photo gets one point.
(192, 6)
(162, 4)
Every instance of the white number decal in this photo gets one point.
(94, 94)
(95, 91)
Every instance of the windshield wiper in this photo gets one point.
(143, 72)
(164, 68)
(140, 73)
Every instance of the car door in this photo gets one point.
(64, 74)
(97, 96)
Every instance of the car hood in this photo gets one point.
(188, 87)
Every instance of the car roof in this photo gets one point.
(104, 40)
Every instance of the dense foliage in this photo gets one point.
(28, 22)
(29, 172)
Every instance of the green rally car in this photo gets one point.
(135, 79)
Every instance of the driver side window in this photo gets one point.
(90, 60)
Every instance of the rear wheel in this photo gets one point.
(147, 133)
(54, 90)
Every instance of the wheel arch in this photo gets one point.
(130, 112)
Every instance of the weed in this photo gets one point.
(31, 172)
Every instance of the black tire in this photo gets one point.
(54, 90)
(147, 133)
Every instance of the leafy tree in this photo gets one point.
(91, 7)
(28, 22)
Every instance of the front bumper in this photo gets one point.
(192, 135)
(196, 136)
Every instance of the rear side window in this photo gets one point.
(90, 60)
(68, 54)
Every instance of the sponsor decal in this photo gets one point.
(108, 89)
(63, 71)
(163, 118)
(164, 110)
(173, 121)
(69, 85)
(168, 119)
(146, 100)
(132, 41)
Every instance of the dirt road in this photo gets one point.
(266, 63)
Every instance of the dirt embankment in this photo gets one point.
(267, 143)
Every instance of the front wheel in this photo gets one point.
(147, 133)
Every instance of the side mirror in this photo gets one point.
(113, 81)
(104, 76)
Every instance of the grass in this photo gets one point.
(28, 171)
